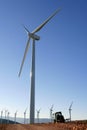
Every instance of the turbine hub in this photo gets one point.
(34, 36)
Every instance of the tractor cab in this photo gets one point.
(58, 117)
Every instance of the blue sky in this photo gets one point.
(61, 56)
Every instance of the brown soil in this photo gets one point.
(77, 125)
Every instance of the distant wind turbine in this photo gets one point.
(1, 116)
(70, 111)
(15, 115)
(51, 111)
(38, 112)
(34, 37)
(5, 113)
(25, 115)
(8, 116)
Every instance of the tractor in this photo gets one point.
(58, 117)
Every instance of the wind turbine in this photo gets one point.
(8, 116)
(51, 110)
(32, 35)
(25, 115)
(38, 112)
(15, 115)
(5, 113)
(70, 110)
(1, 116)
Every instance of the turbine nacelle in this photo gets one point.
(34, 36)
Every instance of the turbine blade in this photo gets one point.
(25, 53)
(70, 105)
(47, 20)
(26, 109)
(26, 29)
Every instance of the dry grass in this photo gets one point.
(76, 125)
(3, 126)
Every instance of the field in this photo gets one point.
(75, 125)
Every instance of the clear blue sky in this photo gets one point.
(61, 56)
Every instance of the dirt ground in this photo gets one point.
(46, 126)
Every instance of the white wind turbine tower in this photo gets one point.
(5, 114)
(15, 115)
(51, 110)
(1, 116)
(38, 112)
(25, 115)
(8, 116)
(33, 36)
(70, 111)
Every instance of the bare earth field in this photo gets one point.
(76, 125)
